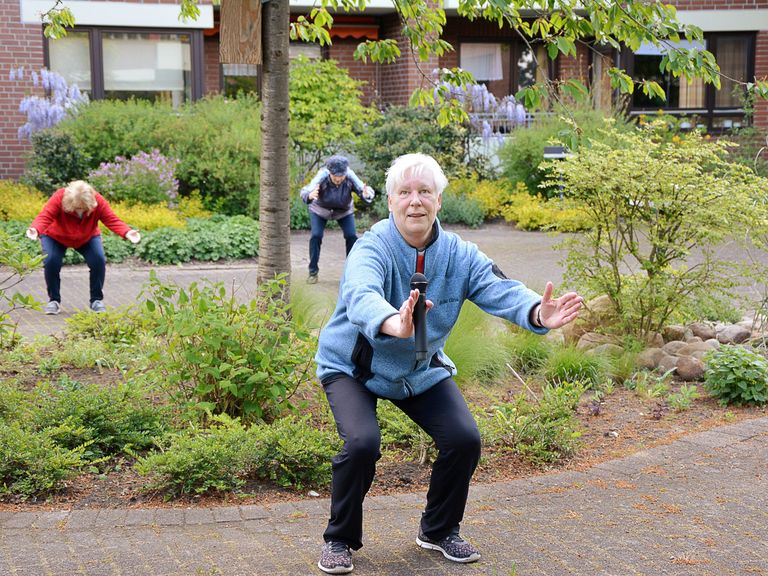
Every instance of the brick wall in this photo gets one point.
(342, 51)
(211, 66)
(20, 45)
(761, 73)
(400, 79)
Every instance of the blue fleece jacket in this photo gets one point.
(375, 283)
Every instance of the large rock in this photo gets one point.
(692, 347)
(597, 313)
(689, 368)
(672, 348)
(607, 349)
(666, 363)
(593, 340)
(673, 332)
(654, 340)
(733, 334)
(702, 330)
(649, 358)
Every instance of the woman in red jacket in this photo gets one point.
(70, 219)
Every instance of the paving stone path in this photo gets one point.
(698, 506)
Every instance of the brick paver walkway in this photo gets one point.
(696, 507)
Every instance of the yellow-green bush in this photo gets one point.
(495, 195)
(192, 206)
(534, 213)
(19, 202)
(148, 217)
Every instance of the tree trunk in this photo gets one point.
(274, 199)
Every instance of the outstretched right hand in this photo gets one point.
(32, 233)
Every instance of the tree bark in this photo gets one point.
(274, 199)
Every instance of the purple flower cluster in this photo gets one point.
(46, 111)
(488, 116)
(145, 177)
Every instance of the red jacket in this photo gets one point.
(70, 229)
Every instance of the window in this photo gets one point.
(504, 68)
(245, 77)
(121, 64)
(713, 109)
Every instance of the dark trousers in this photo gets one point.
(317, 223)
(92, 251)
(443, 414)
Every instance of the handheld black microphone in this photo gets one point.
(419, 282)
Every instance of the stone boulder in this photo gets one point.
(649, 358)
(733, 334)
(702, 330)
(689, 368)
(673, 346)
(673, 332)
(593, 340)
(596, 313)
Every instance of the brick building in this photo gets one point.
(140, 48)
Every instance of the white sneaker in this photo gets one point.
(52, 307)
(98, 306)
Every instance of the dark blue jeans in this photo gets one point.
(347, 225)
(442, 413)
(92, 251)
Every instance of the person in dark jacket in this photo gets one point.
(367, 351)
(329, 195)
(70, 219)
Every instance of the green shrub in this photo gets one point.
(204, 239)
(16, 263)
(217, 140)
(326, 109)
(527, 351)
(523, 152)
(569, 364)
(293, 453)
(108, 420)
(219, 144)
(56, 160)
(541, 433)
(736, 375)
(196, 461)
(654, 203)
(403, 130)
(115, 326)
(220, 356)
(477, 346)
(144, 178)
(32, 462)
(683, 398)
(461, 210)
(299, 214)
(289, 452)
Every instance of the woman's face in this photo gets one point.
(338, 179)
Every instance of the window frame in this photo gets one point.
(708, 113)
(97, 59)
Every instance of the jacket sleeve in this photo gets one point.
(364, 291)
(321, 175)
(48, 213)
(358, 184)
(109, 218)
(493, 292)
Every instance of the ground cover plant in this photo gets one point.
(98, 415)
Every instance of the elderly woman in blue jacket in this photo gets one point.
(329, 196)
(367, 352)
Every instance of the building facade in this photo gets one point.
(141, 49)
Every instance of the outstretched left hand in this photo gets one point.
(555, 313)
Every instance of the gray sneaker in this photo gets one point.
(453, 547)
(312, 278)
(52, 307)
(335, 558)
(98, 306)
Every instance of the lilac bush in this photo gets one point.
(145, 177)
(488, 116)
(46, 111)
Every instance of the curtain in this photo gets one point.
(482, 60)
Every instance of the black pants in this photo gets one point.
(443, 414)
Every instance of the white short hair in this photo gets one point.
(419, 165)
